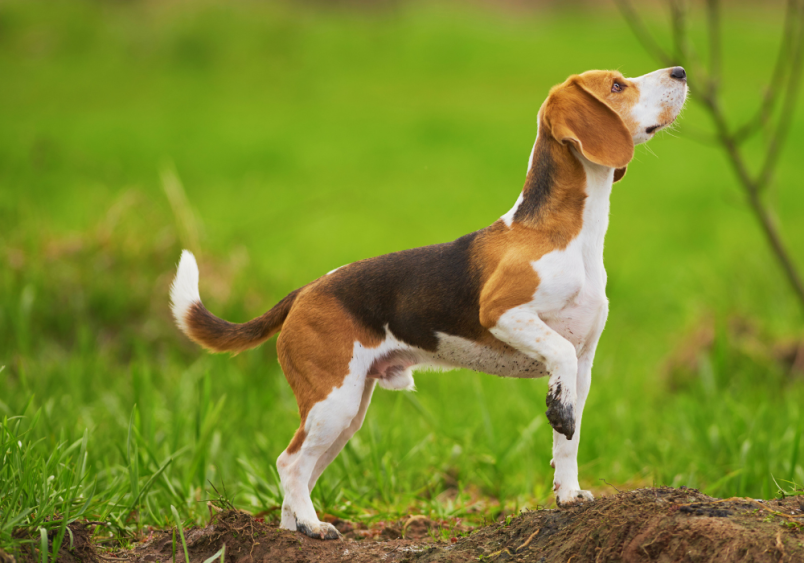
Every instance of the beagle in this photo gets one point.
(524, 297)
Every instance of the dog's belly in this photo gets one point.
(393, 362)
(490, 356)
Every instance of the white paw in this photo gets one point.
(318, 530)
(568, 497)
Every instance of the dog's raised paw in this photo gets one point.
(560, 415)
(570, 497)
(318, 530)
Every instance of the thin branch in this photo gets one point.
(768, 226)
(679, 27)
(728, 143)
(713, 24)
(752, 186)
(788, 106)
(685, 53)
(645, 38)
(794, 35)
(685, 50)
(641, 31)
(774, 87)
(772, 234)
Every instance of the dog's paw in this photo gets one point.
(568, 497)
(560, 414)
(318, 530)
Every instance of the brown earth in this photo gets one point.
(664, 525)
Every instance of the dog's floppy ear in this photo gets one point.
(619, 173)
(574, 115)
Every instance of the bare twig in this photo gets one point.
(610, 485)
(772, 91)
(713, 24)
(685, 50)
(788, 105)
(679, 25)
(788, 65)
(642, 34)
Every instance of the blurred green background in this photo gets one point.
(279, 141)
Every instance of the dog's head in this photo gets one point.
(603, 114)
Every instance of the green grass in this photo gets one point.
(306, 138)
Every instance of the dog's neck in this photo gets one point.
(564, 193)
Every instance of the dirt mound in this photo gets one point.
(646, 525)
(664, 525)
(77, 547)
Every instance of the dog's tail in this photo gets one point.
(214, 333)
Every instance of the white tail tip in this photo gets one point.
(184, 291)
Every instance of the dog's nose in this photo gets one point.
(678, 73)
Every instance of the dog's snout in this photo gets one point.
(678, 73)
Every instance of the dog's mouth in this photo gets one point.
(653, 128)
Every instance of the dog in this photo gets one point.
(524, 297)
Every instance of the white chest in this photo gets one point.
(570, 297)
(572, 291)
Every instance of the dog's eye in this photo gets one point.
(617, 87)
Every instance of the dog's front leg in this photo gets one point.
(522, 329)
(565, 452)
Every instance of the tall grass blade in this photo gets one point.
(181, 533)
(150, 482)
(43, 544)
(221, 553)
(794, 456)
(132, 457)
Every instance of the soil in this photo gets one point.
(663, 525)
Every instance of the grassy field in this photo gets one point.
(281, 142)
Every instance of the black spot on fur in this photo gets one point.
(538, 184)
(417, 292)
(561, 417)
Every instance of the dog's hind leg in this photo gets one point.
(326, 356)
(333, 451)
(324, 425)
